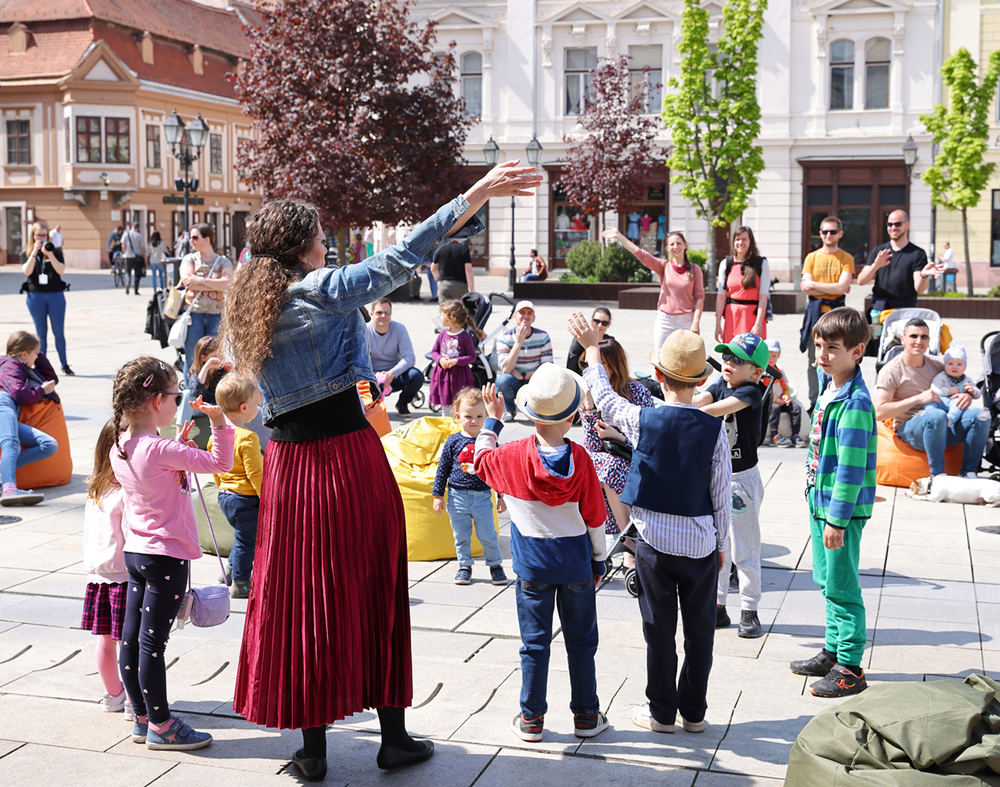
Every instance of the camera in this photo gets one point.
(50, 246)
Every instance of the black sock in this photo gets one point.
(314, 742)
(857, 672)
(830, 655)
(394, 734)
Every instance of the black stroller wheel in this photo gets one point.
(632, 582)
(434, 408)
(419, 399)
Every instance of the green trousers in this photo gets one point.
(836, 573)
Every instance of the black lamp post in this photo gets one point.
(186, 143)
(909, 156)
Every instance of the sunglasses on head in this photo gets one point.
(178, 396)
(894, 223)
(735, 360)
(604, 323)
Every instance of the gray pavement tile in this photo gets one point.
(784, 648)
(423, 569)
(47, 611)
(33, 765)
(918, 609)
(54, 584)
(760, 746)
(15, 542)
(914, 631)
(989, 625)
(189, 774)
(442, 616)
(478, 594)
(446, 646)
(505, 651)
(539, 768)
(912, 662)
(943, 590)
(12, 577)
(915, 567)
(6, 747)
(493, 620)
(986, 593)
(80, 725)
(721, 779)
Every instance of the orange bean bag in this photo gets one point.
(901, 465)
(46, 416)
(375, 413)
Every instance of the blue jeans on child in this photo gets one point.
(241, 511)
(950, 406)
(928, 431)
(158, 271)
(577, 606)
(468, 506)
(509, 385)
(45, 308)
(20, 444)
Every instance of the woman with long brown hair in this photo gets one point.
(744, 283)
(327, 632)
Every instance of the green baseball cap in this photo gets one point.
(749, 347)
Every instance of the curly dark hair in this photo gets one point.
(136, 382)
(280, 233)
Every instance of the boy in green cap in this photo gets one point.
(737, 399)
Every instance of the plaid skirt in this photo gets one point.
(104, 608)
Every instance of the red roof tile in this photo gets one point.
(179, 20)
(54, 52)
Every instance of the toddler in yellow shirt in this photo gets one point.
(239, 488)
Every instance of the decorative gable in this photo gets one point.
(645, 12)
(101, 72)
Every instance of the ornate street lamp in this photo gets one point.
(909, 156)
(186, 144)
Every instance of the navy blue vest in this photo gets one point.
(672, 464)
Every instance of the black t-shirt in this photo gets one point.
(451, 260)
(743, 426)
(44, 268)
(576, 352)
(894, 282)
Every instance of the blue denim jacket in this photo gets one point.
(320, 345)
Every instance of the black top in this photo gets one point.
(43, 267)
(576, 352)
(336, 415)
(743, 426)
(894, 283)
(451, 259)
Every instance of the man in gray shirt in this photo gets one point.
(134, 252)
(392, 354)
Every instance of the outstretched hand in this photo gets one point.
(493, 399)
(582, 331)
(214, 412)
(507, 179)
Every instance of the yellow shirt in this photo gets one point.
(826, 268)
(247, 474)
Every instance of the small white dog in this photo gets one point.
(953, 489)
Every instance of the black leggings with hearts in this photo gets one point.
(156, 587)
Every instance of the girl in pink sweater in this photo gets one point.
(161, 536)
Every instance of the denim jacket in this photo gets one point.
(320, 345)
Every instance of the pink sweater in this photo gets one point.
(678, 293)
(159, 514)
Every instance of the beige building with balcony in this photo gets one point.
(84, 90)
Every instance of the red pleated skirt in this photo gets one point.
(327, 631)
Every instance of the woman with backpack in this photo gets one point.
(744, 281)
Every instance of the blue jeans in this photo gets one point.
(530, 277)
(431, 281)
(201, 325)
(577, 606)
(409, 382)
(46, 307)
(466, 506)
(950, 406)
(509, 385)
(20, 444)
(928, 431)
(159, 274)
(241, 511)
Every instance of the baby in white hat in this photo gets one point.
(952, 383)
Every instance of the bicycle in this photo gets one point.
(118, 273)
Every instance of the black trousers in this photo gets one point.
(663, 581)
(793, 410)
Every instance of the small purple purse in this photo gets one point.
(206, 606)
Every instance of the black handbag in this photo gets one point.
(617, 448)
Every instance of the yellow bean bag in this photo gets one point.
(901, 465)
(413, 452)
(47, 416)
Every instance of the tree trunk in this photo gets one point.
(710, 259)
(968, 262)
(343, 238)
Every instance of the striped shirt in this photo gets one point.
(671, 534)
(536, 350)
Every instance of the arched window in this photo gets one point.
(877, 54)
(472, 83)
(842, 75)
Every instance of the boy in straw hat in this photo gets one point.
(678, 488)
(556, 539)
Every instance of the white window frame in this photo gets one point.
(586, 80)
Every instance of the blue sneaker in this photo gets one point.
(179, 737)
(140, 730)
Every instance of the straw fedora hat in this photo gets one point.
(552, 394)
(682, 357)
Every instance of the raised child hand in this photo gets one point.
(214, 412)
(580, 328)
(493, 399)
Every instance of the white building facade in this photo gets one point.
(842, 84)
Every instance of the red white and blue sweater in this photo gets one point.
(557, 522)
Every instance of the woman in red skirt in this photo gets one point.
(744, 282)
(327, 632)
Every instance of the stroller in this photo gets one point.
(480, 308)
(890, 342)
(990, 347)
(158, 328)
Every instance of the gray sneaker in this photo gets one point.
(21, 497)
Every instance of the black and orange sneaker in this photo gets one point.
(528, 729)
(839, 682)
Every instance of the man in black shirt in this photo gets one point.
(453, 269)
(899, 269)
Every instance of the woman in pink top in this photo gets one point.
(162, 536)
(682, 286)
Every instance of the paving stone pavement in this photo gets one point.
(930, 584)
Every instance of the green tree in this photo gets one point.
(961, 131)
(714, 120)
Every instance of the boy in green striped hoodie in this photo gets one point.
(840, 487)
